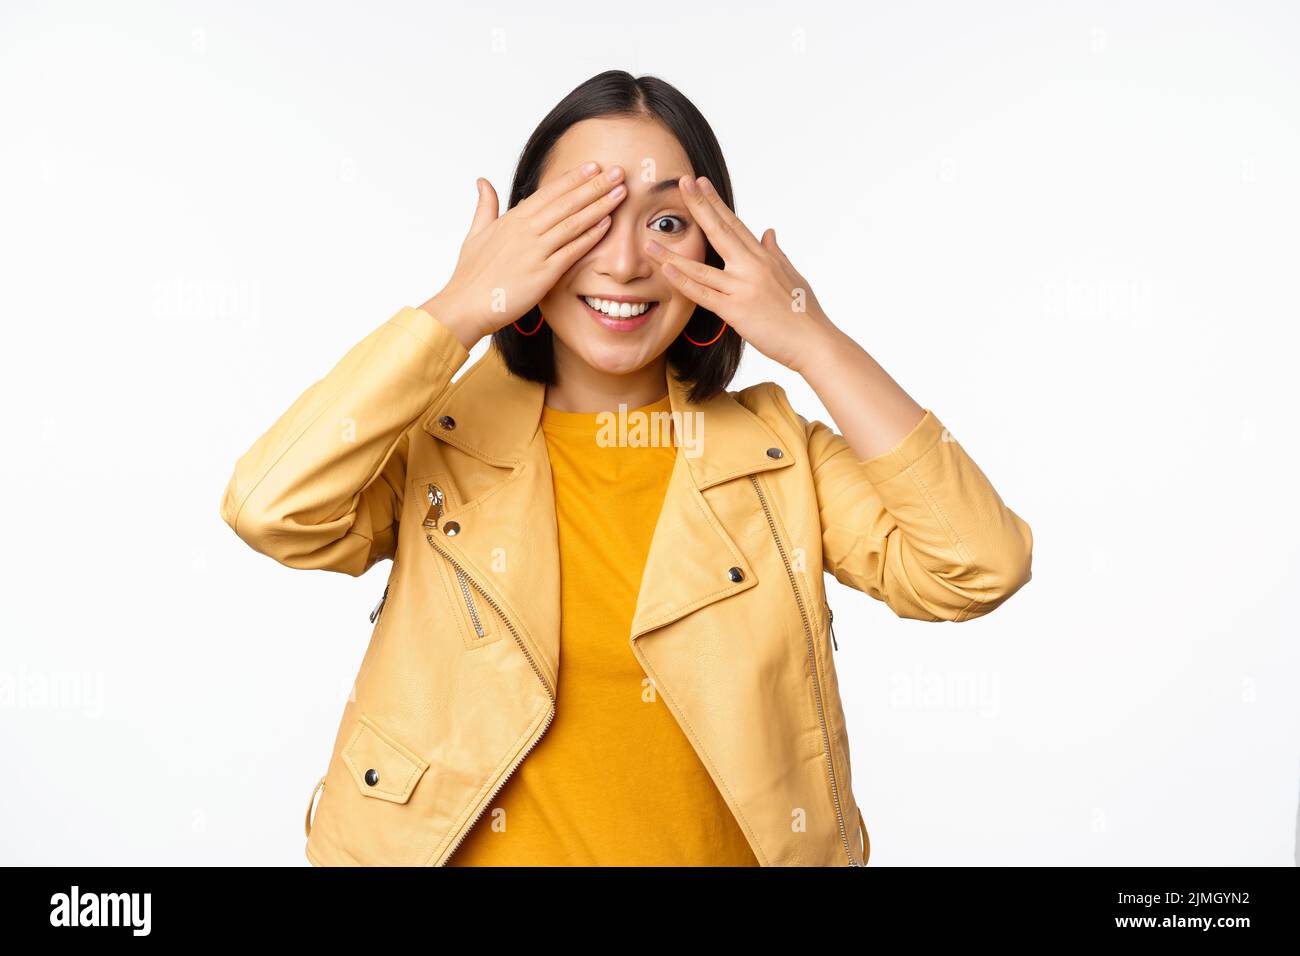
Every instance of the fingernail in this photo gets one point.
(690, 186)
(613, 173)
(705, 185)
(653, 247)
(589, 168)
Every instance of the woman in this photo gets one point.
(605, 638)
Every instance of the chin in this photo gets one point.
(615, 359)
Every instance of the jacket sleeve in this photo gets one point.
(323, 487)
(919, 527)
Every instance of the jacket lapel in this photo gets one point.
(507, 539)
(692, 552)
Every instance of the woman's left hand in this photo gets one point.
(759, 293)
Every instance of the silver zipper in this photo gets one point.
(437, 503)
(830, 622)
(812, 662)
(536, 670)
(380, 606)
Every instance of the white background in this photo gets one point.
(1069, 229)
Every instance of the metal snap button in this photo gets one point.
(774, 453)
(735, 574)
(372, 777)
(451, 529)
(447, 422)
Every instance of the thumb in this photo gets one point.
(487, 210)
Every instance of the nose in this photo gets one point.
(619, 255)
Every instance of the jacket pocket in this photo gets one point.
(472, 618)
(378, 609)
(380, 765)
(377, 621)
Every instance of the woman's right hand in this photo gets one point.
(508, 263)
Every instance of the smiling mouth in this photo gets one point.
(619, 316)
(618, 310)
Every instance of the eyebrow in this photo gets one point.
(663, 185)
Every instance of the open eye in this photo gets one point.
(654, 223)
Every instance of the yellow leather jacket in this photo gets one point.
(386, 457)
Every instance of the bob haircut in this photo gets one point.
(709, 369)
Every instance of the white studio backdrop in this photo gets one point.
(1068, 228)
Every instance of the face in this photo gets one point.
(618, 265)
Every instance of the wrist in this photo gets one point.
(455, 318)
(820, 351)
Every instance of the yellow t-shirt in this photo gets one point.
(614, 780)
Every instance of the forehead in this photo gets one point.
(645, 148)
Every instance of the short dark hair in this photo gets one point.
(618, 93)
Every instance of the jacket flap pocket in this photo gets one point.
(380, 765)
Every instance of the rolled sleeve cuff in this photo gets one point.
(927, 433)
(448, 349)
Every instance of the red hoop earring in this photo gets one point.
(710, 341)
(540, 319)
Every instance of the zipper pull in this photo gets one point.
(830, 619)
(435, 506)
(380, 606)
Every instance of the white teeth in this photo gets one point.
(619, 310)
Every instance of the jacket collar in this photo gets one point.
(693, 558)
(496, 415)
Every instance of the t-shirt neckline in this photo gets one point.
(590, 421)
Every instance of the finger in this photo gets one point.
(574, 225)
(544, 194)
(712, 299)
(793, 276)
(769, 243)
(581, 196)
(717, 220)
(487, 210)
(701, 272)
(563, 258)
